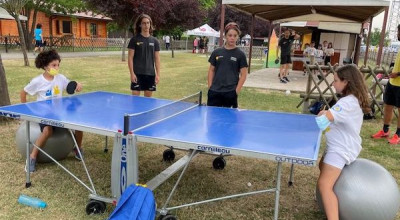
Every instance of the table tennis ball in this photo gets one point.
(248, 184)
(287, 92)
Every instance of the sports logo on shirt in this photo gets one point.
(219, 57)
(139, 43)
(48, 92)
(56, 90)
(337, 108)
(151, 44)
(234, 59)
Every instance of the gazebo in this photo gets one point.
(357, 12)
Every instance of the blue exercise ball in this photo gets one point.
(59, 145)
(366, 191)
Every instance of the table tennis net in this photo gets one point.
(133, 122)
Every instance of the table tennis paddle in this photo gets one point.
(277, 61)
(71, 87)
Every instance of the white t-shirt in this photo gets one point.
(329, 52)
(45, 89)
(343, 134)
(320, 53)
(310, 51)
(167, 39)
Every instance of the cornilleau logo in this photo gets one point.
(52, 123)
(294, 160)
(9, 115)
(214, 149)
(123, 174)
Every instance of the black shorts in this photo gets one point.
(392, 95)
(222, 99)
(38, 43)
(327, 60)
(285, 59)
(144, 83)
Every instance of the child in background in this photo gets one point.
(342, 124)
(50, 84)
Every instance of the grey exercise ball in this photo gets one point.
(59, 145)
(366, 191)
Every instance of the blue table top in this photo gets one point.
(295, 135)
(101, 111)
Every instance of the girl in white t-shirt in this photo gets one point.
(342, 125)
(50, 84)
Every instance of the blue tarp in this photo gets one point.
(136, 202)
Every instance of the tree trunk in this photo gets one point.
(125, 42)
(4, 96)
(31, 32)
(22, 40)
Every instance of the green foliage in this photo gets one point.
(207, 4)
(376, 37)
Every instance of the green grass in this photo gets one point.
(183, 75)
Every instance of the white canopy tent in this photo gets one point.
(206, 31)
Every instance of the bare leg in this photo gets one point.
(327, 179)
(388, 112)
(78, 137)
(148, 93)
(287, 69)
(281, 70)
(41, 141)
(134, 92)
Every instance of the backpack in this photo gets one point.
(136, 203)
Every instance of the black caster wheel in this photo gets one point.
(169, 155)
(167, 217)
(105, 150)
(95, 207)
(219, 163)
(290, 183)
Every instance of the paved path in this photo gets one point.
(268, 79)
(19, 55)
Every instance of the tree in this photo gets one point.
(14, 7)
(4, 96)
(261, 27)
(123, 12)
(177, 19)
(167, 16)
(376, 37)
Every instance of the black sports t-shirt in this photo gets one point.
(227, 65)
(143, 60)
(286, 45)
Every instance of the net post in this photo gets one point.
(200, 97)
(126, 124)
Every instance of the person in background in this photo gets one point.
(38, 39)
(144, 58)
(285, 46)
(391, 99)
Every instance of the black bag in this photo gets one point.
(316, 107)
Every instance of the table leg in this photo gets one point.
(291, 175)
(28, 166)
(278, 189)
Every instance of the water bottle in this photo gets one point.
(33, 202)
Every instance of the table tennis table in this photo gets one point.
(184, 124)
